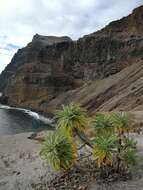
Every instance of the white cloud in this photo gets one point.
(4, 59)
(21, 19)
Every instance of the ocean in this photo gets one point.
(16, 120)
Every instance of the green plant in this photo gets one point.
(105, 145)
(129, 143)
(122, 122)
(128, 152)
(71, 117)
(102, 122)
(129, 157)
(59, 150)
(111, 146)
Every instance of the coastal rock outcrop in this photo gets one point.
(51, 67)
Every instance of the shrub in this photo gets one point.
(105, 146)
(122, 122)
(102, 122)
(59, 150)
(71, 117)
(111, 145)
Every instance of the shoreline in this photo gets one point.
(44, 113)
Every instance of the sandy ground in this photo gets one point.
(20, 163)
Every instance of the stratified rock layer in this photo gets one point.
(27, 55)
(40, 75)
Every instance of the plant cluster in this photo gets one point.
(111, 147)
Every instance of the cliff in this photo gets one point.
(50, 70)
(27, 55)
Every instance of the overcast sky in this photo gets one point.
(21, 19)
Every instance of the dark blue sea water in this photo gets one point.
(16, 120)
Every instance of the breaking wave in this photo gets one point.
(33, 114)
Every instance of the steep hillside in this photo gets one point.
(120, 92)
(39, 76)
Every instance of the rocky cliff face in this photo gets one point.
(27, 55)
(49, 67)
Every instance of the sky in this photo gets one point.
(21, 19)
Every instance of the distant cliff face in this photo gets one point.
(27, 55)
(50, 66)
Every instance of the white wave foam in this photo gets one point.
(45, 119)
(39, 117)
(30, 113)
(4, 107)
(36, 116)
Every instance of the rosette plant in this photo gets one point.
(105, 146)
(72, 118)
(122, 122)
(59, 150)
(102, 122)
